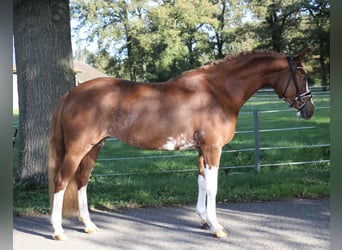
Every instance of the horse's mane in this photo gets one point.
(230, 57)
(253, 52)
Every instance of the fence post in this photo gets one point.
(256, 140)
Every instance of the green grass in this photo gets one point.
(175, 189)
(157, 182)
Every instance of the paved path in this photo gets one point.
(296, 224)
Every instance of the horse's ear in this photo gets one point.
(301, 55)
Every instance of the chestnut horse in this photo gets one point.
(197, 110)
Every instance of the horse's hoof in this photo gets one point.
(205, 226)
(90, 230)
(222, 233)
(61, 236)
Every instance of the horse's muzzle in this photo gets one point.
(308, 110)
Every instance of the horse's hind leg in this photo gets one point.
(82, 175)
(61, 180)
(56, 216)
(201, 207)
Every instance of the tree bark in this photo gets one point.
(43, 54)
(219, 36)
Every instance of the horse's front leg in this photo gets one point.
(211, 177)
(209, 184)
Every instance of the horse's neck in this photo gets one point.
(242, 81)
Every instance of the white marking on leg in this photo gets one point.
(201, 200)
(83, 203)
(56, 215)
(211, 177)
(84, 211)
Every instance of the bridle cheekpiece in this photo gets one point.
(299, 96)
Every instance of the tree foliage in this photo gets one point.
(153, 40)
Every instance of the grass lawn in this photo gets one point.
(148, 178)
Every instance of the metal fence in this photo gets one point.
(266, 95)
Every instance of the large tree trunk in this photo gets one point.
(43, 55)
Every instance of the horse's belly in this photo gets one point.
(178, 143)
(158, 142)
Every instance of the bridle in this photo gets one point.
(299, 96)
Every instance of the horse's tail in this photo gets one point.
(56, 155)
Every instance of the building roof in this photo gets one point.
(85, 72)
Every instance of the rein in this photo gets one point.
(299, 96)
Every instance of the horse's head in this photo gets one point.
(296, 91)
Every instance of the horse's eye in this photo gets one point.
(303, 78)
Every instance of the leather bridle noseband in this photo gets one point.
(299, 96)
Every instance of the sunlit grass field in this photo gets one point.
(134, 177)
